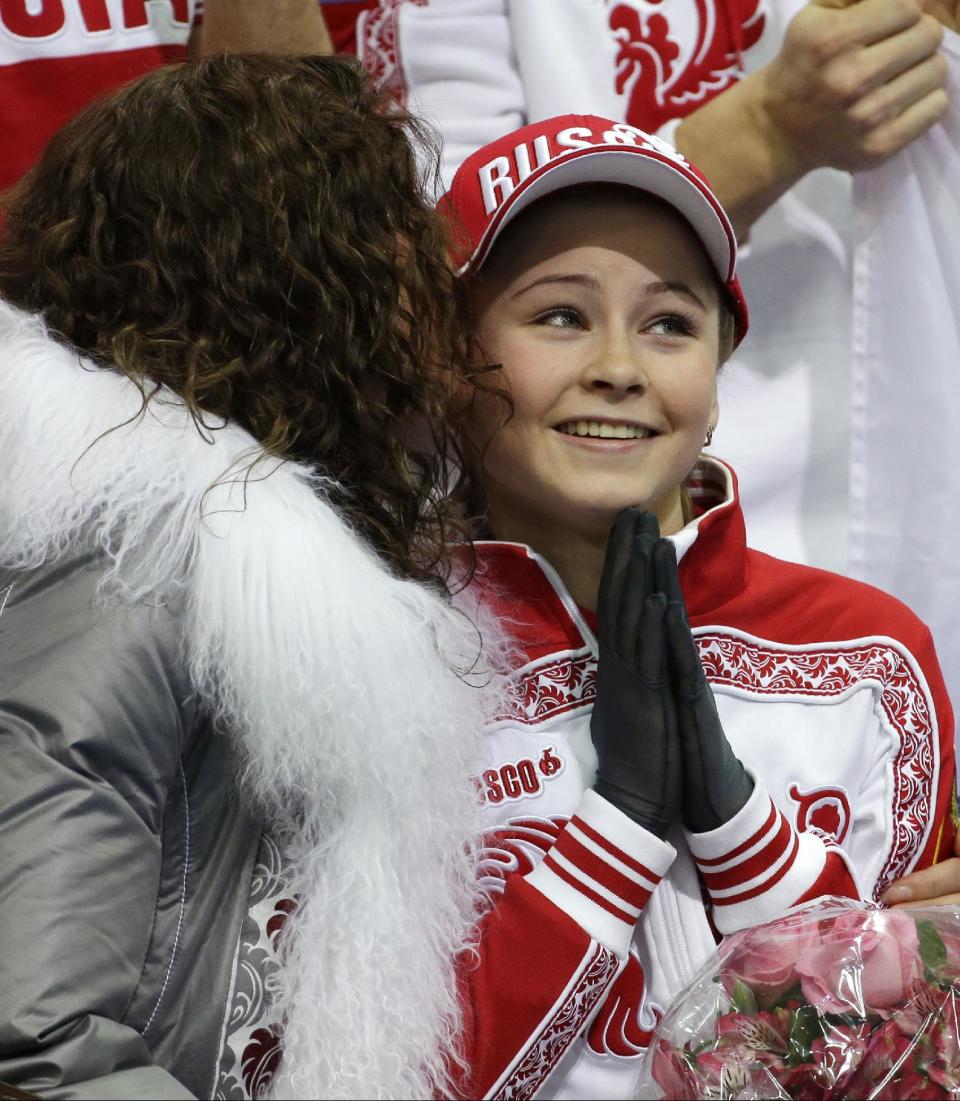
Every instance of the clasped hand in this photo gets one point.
(662, 753)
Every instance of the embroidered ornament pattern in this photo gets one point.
(553, 1041)
(516, 847)
(553, 688)
(626, 1022)
(378, 45)
(674, 56)
(252, 1043)
(824, 809)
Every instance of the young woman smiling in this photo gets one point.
(689, 749)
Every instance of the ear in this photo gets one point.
(715, 409)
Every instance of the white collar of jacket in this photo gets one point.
(334, 675)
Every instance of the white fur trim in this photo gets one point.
(334, 675)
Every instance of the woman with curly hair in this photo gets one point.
(236, 707)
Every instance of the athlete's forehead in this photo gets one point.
(567, 228)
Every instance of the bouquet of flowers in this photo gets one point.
(835, 1001)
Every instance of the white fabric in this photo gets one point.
(905, 477)
(335, 677)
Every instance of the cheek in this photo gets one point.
(688, 396)
(532, 383)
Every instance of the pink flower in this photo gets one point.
(840, 1052)
(673, 1074)
(808, 1081)
(760, 1032)
(951, 942)
(766, 960)
(895, 1067)
(740, 1072)
(866, 961)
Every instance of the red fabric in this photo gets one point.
(39, 96)
(613, 850)
(765, 885)
(835, 879)
(763, 858)
(578, 885)
(342, 23)
(529, 950)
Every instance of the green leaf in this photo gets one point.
(933, 952)
(743, 999)
(805, 1027)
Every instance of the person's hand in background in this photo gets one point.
(946, 11)
(938, 885)
(852, 85)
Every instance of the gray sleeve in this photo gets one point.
(91, 733)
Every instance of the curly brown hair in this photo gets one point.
(254, 233)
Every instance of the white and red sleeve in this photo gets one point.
(552, 946)
(757, 865)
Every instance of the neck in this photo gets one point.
(575, 552)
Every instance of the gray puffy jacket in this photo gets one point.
(127, 852)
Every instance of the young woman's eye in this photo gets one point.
(561, 317)
(674, 324)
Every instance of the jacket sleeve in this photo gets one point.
(551, 947)
(92, 733)
(452, 63)
(757, 865)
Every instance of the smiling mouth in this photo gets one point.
(605, 430)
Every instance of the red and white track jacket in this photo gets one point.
(830, 693)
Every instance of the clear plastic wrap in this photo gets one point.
(833, 1001)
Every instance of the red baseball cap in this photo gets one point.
(498, 181)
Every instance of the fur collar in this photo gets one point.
(335, 677)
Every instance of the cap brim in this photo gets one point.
(628, 166)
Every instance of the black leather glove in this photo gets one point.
(634, 723)
(715, 784)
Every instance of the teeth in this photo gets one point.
(604, 431)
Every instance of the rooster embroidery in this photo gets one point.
(674, 55)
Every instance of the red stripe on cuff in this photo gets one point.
(580, 886)
(635, 894)
(761, 888)
(756, 865)
(613, 850)
(749, 843)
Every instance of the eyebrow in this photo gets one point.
(589, 281)
(675, 286)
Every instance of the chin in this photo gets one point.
(596, 512)
(597, 516)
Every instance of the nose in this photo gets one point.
(617, 367)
